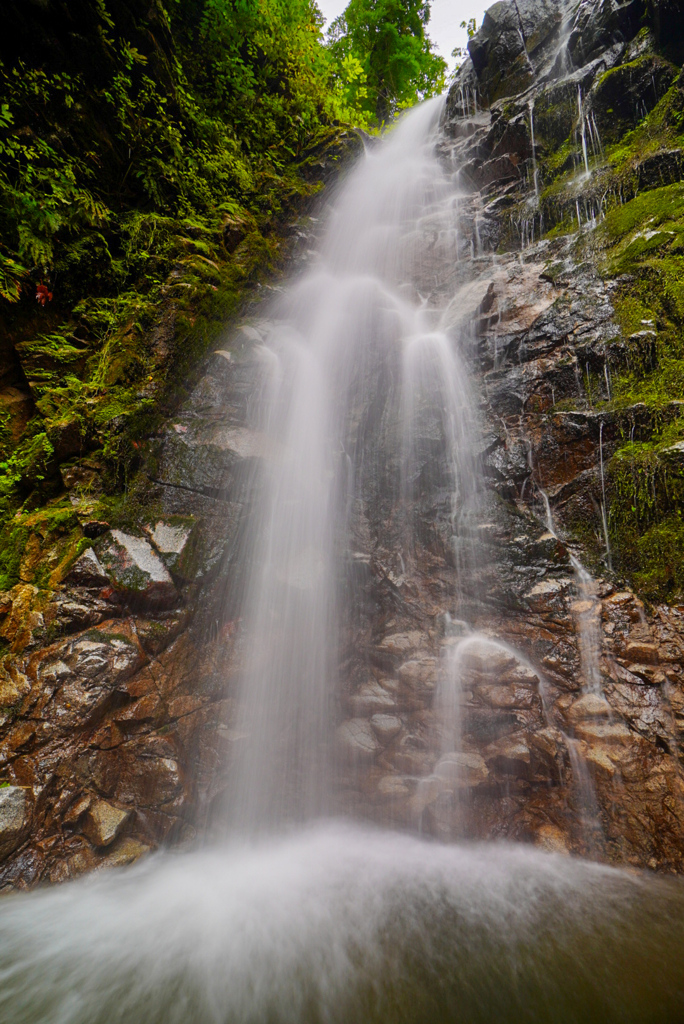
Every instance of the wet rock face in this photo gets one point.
(558, 720)
(112, 695)
(510, 31)
(466, 703)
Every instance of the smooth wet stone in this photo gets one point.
(15, 818)
(371, 699)
(603, 732)
(104, 822)
(544, 596)
(418, 674)
(509, 755)
(591, 705)
(487, 659)
(357, 740)
(386, 727)
(641, 652)
(136, 571)
(462, 769)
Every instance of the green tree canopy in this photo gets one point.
(387, 40)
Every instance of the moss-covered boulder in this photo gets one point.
(136, 571)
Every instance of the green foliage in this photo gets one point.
(388, 39)
(460, 53)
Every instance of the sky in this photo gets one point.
(445, 18)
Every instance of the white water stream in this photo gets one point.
(327, 923)
(350, 330)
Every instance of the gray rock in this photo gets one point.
(136, 570)
(386, 727)
(15, 818)
(170, 540)
(357, 740)
(211, 459)
(370, 699)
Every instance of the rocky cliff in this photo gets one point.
(565, 131)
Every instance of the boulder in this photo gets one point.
(104, 822)
(462, 769)
(591, 705)
(371, 698)
(386, 727)
(509, 756)
(87, 571)
(357, 740)
(136, 571)
(170, 540)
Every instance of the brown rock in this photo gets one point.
(603, 732)
(641, 652)
(591, 705)
(104, 822)
(462, 769)
(510, 756)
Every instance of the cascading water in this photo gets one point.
(349, 324)
(333, 923)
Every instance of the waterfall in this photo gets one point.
(364, 402)
(350, 327)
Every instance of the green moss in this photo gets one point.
(13, 541)
(646, 524)
(662, 128)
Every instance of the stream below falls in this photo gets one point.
(299, 915)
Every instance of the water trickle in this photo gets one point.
(583, 131)
(535, 169)
(587, 613)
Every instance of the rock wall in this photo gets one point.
(117, 687)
